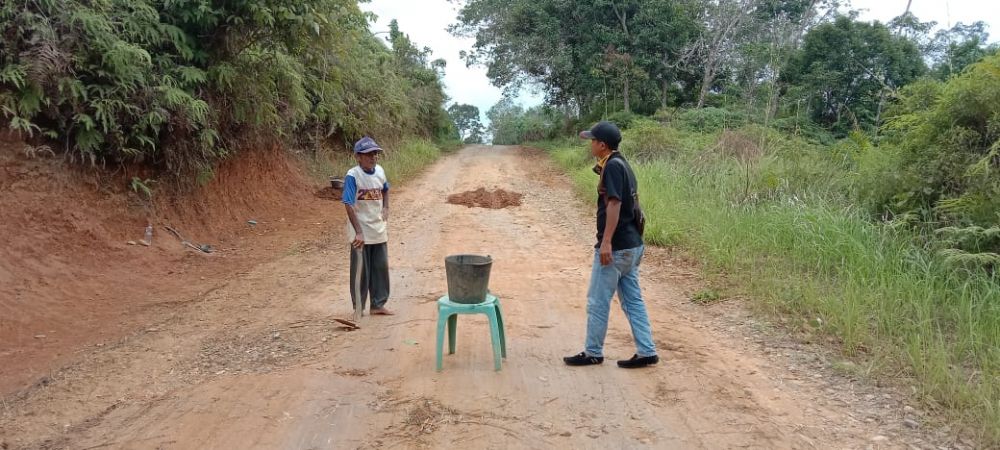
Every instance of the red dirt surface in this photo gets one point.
(68, 277)
(241, 349)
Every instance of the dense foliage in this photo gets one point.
(582, 52)
(512, 124)
(917, 109)
(773, 59)
(845, 69)
(945, 142)
(180, 83)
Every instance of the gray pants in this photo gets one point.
(374, 276)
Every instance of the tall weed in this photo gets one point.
(782, 223)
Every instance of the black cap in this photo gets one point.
(605, 132)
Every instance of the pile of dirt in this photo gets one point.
(481, 198)
(329, 193)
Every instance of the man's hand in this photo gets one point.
(614, 208)
(606, 256)
(385, 214)
(359, 239)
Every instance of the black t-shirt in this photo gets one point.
(618, 181)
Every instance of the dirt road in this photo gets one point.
(257, 362)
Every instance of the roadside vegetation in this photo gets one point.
(177, 86)
(845, 174)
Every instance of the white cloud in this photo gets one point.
(946, 13)
(426, 22)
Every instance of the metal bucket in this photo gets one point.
(468, 277)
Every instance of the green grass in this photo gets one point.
(409, 158)
(782, 226)
(402, 161)
(706, 296)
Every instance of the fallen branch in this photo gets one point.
(175, 232)
(186, 243)
(487, 424)
(409, 321)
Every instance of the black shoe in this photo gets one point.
(581, 359)
(636, 361)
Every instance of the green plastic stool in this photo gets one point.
(448, 312)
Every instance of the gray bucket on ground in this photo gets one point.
(468, 277)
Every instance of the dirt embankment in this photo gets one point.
(69, 277)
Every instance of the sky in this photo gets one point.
(426, 22)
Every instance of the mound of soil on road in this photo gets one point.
(481, 198)
(329, 193)
(68, 277)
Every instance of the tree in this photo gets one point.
(504, 117)
(662, 31)
(842, 68)
(466, 118)
(953, 50)
(424, 79)
(768, 45)
(723, 20)
(910, 27)
(523, 41)
(581, 53)
(512, 124)
(179, 84)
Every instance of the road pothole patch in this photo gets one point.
(481, 198)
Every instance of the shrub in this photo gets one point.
(647, 140)
(178, 85)
(623, 119)
(511, 124)
(709, 119)
(948, 139)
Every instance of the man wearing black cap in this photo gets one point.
(617, 254)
